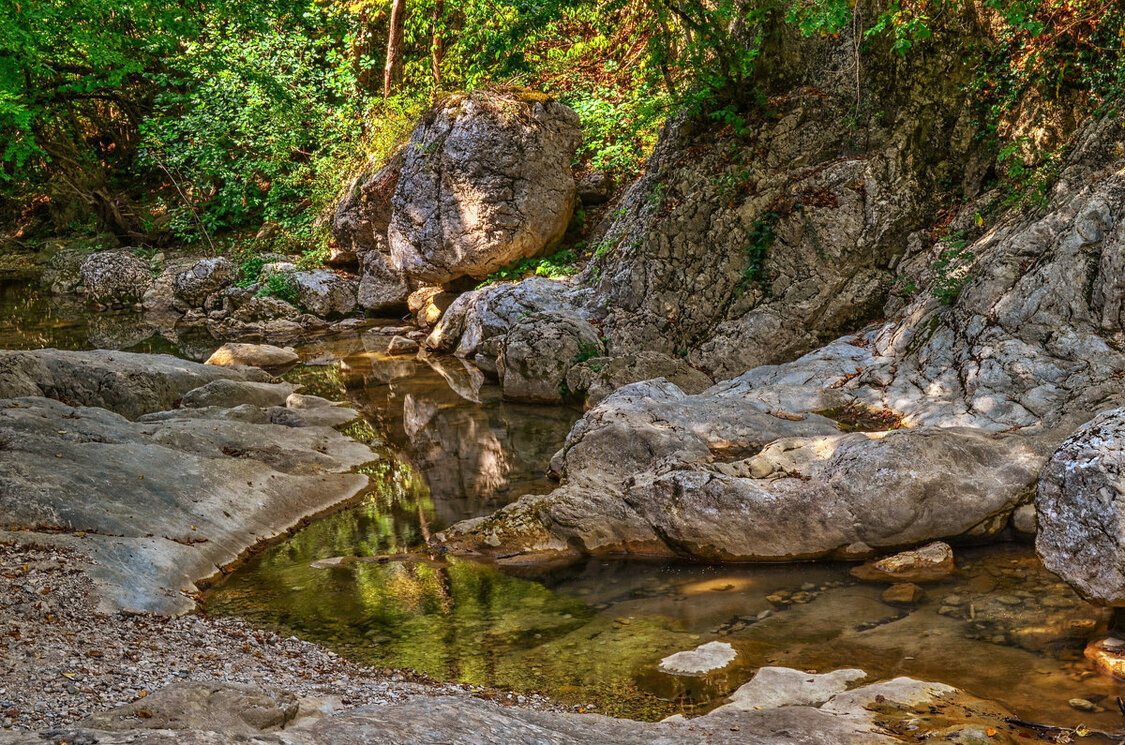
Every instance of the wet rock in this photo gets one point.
(220, 707)
(325, 293)
(193, 286)
(774, 687)
(400, 345)
(1079, 506)
(539, 351)
(702, 659)
(486, 181)
(903, 593)
(1082, 704)
(931, 563)
(115, 277)
(254, 355)
(1108, 656)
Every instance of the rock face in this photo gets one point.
(601, 376)
(115, 277)
(976, 395)
(381, 286)
(157, 494)
(363, 214)
(1081, 510)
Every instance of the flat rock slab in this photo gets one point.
(702, 659)
(159, 503)
(127, 383)
(221, 707)
(774, 687)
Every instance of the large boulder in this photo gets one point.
(115, 277)
(485, 180)
(539, 351)
(205, 277)
(325, 293)
(1080, 505)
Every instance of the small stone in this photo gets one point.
(1082, 704)
(1008, 600)
(931, 563)
(904, 593)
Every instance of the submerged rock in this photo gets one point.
(930, 563)
(702, 659)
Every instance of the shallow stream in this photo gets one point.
(590, 634)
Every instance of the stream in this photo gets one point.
(589, 634)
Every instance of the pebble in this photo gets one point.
(1082, 704)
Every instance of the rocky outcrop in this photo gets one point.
(115, 277)
(1080, 502)
(785, 707)
(171, 496)
(600, 376)
(976, 393)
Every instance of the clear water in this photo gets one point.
(592, 633)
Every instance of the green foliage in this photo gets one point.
(952, 268)
(280, 285)
(759, 241)
(249, 270)
(587, 351)
(556, 266)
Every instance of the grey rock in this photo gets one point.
(115, 277)
(381, 286)
(193, 286)
(601, 376)
(228, 393)
(325, 293)
(218, 707)
(61, 275)
(486, 180)
(1078, 505)
(538, 352)
(595, 188)
(126, 383)
(363, 213)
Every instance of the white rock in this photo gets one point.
(702, 659)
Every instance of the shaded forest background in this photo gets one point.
(200, 120)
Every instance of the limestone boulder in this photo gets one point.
(194, 285)
(1080, 506)
(381, 286)
(598, 377)
(486, 180)
(115, 277)
(325, 293)
(255, 355)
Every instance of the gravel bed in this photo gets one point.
(61, 660)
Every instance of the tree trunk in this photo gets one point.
(437, 50)
(392, 72)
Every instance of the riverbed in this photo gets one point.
(589, 634)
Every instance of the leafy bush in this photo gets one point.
(280, 285)
(556, 266)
